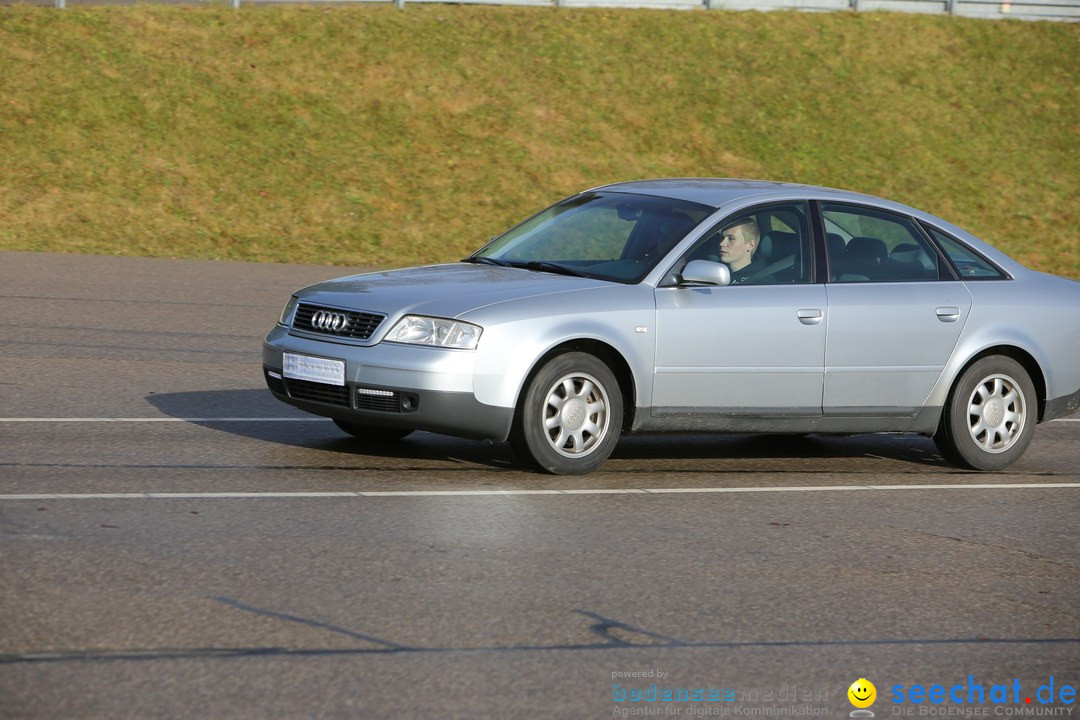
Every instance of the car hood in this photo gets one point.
(439, 290)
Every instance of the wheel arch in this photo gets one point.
(605, 352)
(1026, 360)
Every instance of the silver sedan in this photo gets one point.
(694, 305)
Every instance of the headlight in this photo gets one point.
(287, 312)
(420, 330)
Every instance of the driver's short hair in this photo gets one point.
(751, 232)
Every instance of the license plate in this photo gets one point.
(313, 369)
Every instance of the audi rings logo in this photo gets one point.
(329, 321)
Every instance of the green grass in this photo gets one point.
(368, 135)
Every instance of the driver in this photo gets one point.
(738, 243)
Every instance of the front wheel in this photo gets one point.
(990, 415)
(371, 433)
(570, 417)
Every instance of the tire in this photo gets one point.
(372, 433)
(569, 419)
(990, 416)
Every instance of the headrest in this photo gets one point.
(675, 224)
(867, 248)
(776, 245)
(906, 252)
(671, 228)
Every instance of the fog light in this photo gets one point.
(372, 392)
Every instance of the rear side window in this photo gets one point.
(870, 245)
(968, 264)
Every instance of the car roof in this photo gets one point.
(717, 192)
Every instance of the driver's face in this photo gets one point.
(735, 250)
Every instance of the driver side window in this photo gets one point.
(768, 245)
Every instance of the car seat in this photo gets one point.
(780, 251)
(906, 262)
(864, 259)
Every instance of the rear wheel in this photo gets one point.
(990, 416)
(570, 417)
(371, 433)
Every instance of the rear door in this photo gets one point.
(895, 314)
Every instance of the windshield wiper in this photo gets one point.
(540, 265)
(487, 261)
(553, 268)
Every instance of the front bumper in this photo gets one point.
(389, 385)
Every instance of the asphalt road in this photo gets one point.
(176, 543)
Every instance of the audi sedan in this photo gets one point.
(694, 305)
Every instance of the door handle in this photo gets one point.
(948, 314)
(810, 316)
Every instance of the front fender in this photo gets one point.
(518, 334)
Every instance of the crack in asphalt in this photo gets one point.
(978, 543)
(271, 651)
(629, 638)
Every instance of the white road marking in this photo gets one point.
(509, 493)
(161, 419)
(213, 419)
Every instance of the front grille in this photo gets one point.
(318, 392)
(360, 325)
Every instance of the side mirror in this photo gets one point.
(705, 272)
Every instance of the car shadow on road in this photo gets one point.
(901, 447)
(256, 414)
(269, 421)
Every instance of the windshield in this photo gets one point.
(608, 236)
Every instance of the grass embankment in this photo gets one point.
(372, 136)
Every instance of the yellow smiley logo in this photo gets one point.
(862, 693)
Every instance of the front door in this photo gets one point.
(739, 350)
(752, 348)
